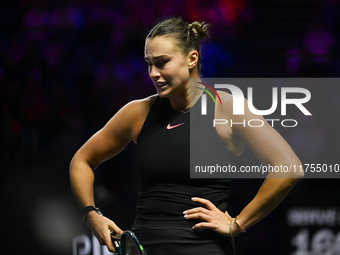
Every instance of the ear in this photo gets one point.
(192, 59)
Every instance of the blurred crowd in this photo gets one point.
(67, 66)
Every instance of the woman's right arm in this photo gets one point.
(124, 126)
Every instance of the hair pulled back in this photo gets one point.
(187, 36)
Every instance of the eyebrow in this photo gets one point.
(158, 57)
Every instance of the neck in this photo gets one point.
(189, 96)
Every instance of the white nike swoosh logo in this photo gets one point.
(171, 127)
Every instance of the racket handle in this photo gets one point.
(115, 240)
(117, 247)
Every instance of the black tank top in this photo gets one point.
(163, 162)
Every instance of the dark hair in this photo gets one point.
(188, 36)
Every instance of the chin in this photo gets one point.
(162, 94)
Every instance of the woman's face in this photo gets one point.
(168, 67)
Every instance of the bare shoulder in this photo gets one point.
(123, 127)
(227, 102)
(141, 105)
(225, 96)
(136, 112)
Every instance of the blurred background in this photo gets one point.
(67, 66)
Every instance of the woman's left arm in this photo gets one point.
(271, 149)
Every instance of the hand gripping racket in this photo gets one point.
(127, 243)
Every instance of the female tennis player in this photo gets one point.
(176, 214)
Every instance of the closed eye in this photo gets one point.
(159, 62)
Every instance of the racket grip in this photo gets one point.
(115, 240)
(117, 247)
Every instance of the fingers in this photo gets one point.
(205, 225)
(101, 227)
(196, 210)
(208, 218)
(114, 230)
(212, 217)
(200, 212)
(205, 202)
(108, 242)
(202, 215)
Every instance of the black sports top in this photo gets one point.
(163, 162)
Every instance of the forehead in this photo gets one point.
(160, 45)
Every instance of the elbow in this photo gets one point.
(297, 174)
(72, 163)
(291, 182)
(294, 169)
(75, 162)
(289, 172)
(301, 175)
(79, 162)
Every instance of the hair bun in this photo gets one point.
(200, 29)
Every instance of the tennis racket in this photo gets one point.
(127, 243)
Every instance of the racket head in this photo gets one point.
(130, 244)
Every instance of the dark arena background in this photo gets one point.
(67, 66)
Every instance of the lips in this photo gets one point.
(161, 84)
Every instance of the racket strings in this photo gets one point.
(129, 247)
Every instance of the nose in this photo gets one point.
(154, 72)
